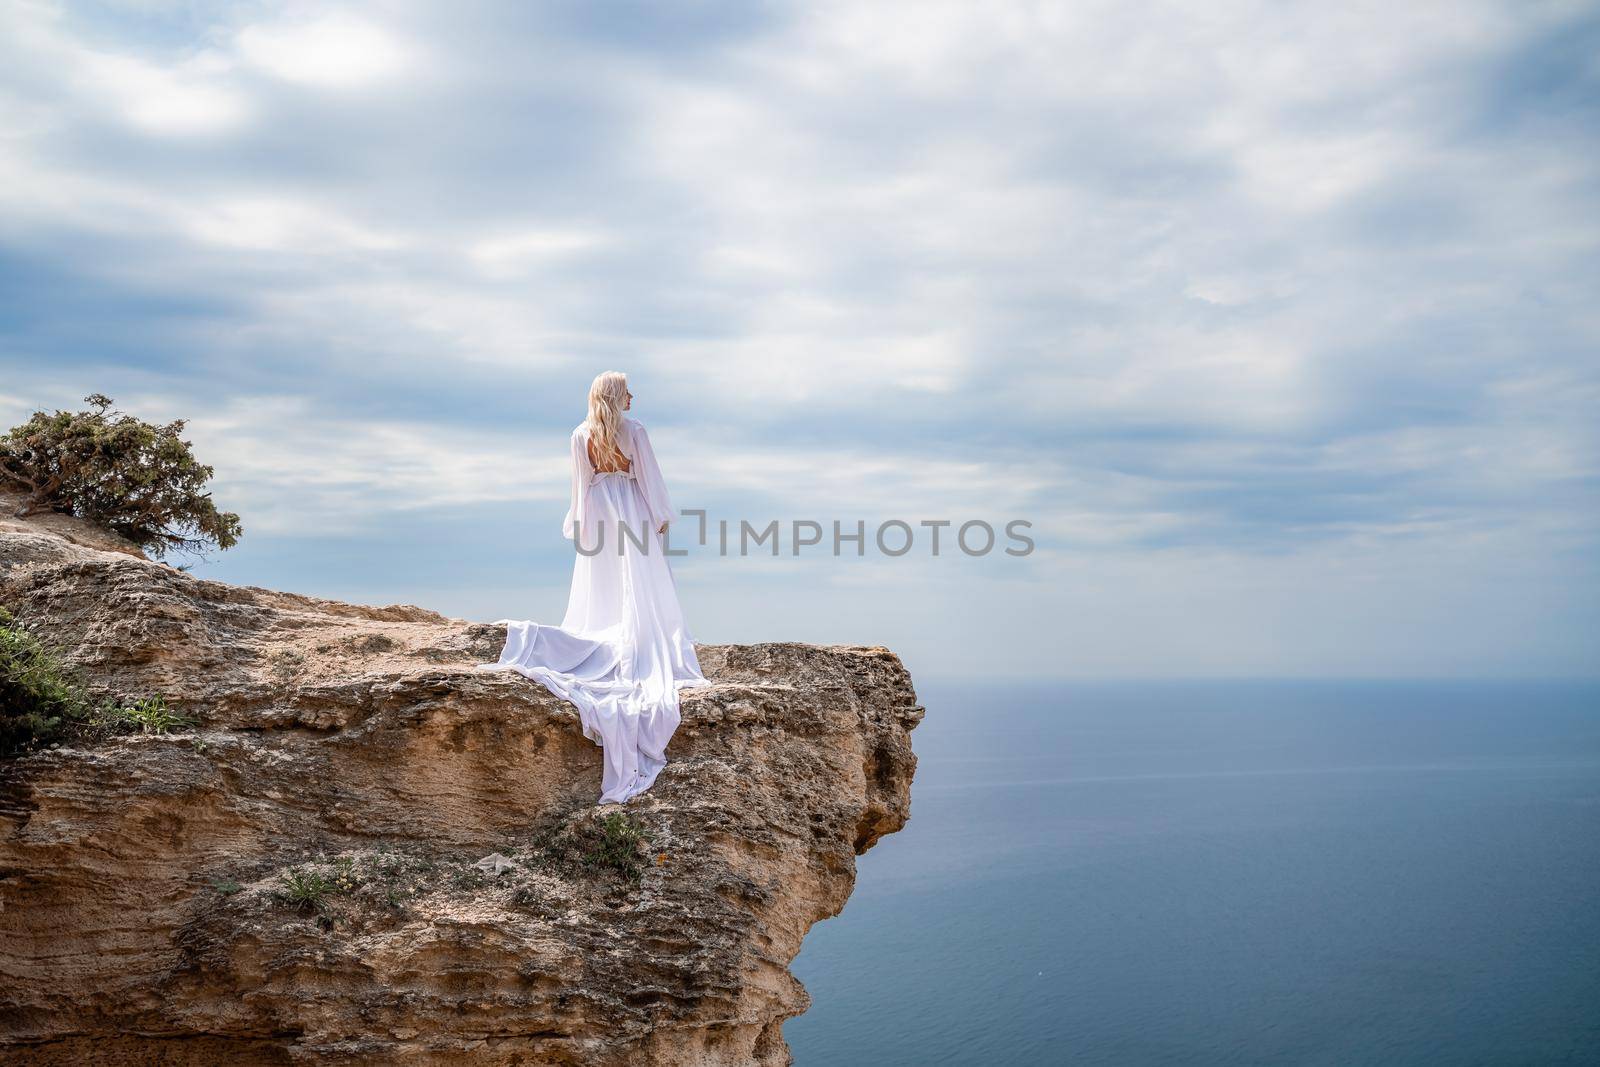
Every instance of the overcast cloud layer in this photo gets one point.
(1278, 321)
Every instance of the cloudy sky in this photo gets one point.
(1277, 321)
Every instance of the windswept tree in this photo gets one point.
(127, 475)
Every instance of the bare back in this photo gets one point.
(588, 444)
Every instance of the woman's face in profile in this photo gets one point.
(627, 400)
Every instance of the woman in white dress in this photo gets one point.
(623, 650)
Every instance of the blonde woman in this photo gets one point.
(623, 650)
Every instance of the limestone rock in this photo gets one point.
(495, 864)
(296, 880)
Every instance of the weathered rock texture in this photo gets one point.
(142, 917)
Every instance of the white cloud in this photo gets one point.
(513, 254)
(294, 470)
(332, 51)
(280, 224)
(189, 95)
(186, 99)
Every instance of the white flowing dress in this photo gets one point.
(623, 650)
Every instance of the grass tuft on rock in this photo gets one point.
(306, 888)
(614, 842)
(43, 702)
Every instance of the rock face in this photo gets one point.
(298, 879)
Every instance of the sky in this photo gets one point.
(1277, 322)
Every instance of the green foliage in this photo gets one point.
(468, 878)
(306, 889)
(346, 879)
(43, 702)
(613, 842)
(618, 846)
(132, 477)
(317, 884)
(148, 716)
(38, 695)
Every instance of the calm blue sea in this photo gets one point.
(1241, 872)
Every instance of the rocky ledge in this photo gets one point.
(368, 852)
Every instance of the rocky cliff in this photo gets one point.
(298, 879)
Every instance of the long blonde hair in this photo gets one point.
(606, 397)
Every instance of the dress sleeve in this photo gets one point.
(581, 475)
(648, 474)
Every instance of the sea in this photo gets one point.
(1227, 872)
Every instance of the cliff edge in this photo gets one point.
(310, 874)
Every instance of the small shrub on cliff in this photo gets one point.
(614, 842)
(132, 477)
(148, 716)
(43, 702)
(618, 846)
(468, 878)
(39, 698)
(306, 889)
(313, 886)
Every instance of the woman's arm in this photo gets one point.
(651, 485)
(580, 485)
